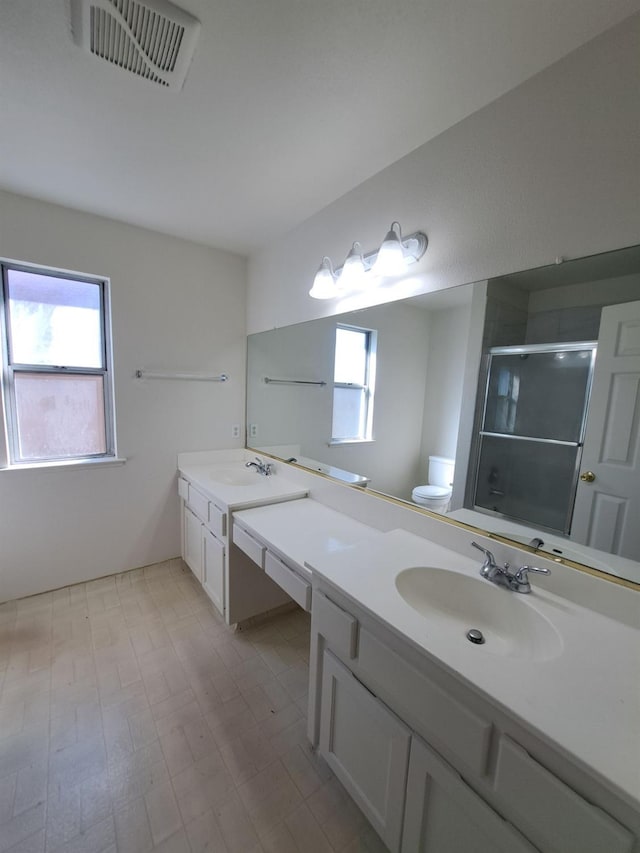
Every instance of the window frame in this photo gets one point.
(368, 386)
(10, 369)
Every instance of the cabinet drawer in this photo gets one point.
(551, 814)
(198, 503)
(217, 520)
(295, 586)
(339, 628)
(183, 488)
(431, 710)
(251, 547)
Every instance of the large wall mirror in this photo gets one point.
(518, 397)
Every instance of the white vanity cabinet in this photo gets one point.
(367, 747)
(291, 581)
(192, 552)
(204, 545)
(434, 766)
(280, 538)
(228, 562)
(213, 568)
(444, 815)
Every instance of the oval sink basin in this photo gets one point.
(236, 476)
(510, 625)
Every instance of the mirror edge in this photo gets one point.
(572, 564)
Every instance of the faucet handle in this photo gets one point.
(490, 558)
(520, 581)
(489, 568)
(521, 574)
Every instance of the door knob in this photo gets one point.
(587, 476)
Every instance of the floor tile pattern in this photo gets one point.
(133, 719)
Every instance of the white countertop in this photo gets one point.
(260, 490)
(304, 530)
(585, 702)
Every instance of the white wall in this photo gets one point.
(448, 351)
(175, 306)
(551, 168)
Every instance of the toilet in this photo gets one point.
(436, 495)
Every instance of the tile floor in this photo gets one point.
(133, 719)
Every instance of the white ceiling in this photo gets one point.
(288, 105)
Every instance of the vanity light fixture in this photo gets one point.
(353, 269)
(324, 284)
(391, 259)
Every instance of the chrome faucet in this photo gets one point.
(517, 581)
(264, 468)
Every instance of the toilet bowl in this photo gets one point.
(436, 494)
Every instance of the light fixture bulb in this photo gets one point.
(324, 283)
(391, 259)
(353, 270)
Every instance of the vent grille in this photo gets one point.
(154, 40)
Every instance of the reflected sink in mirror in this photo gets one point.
(239, 476)
(511, 625)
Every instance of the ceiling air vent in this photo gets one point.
(151, 39)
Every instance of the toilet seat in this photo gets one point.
(426, 492)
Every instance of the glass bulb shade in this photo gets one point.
(324, 283)
(390, 260)
(353, 269)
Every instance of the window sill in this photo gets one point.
(336, 442)
(66, 465)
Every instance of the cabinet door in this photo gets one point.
(193, 542)
(213, 568)
(367, 747)
(444, 815)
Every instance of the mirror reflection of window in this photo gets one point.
(353, 384)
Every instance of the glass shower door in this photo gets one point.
(532, 432)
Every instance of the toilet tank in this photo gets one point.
(441, 471)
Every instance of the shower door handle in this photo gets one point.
(587, 476)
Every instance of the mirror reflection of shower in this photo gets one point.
(529, 445)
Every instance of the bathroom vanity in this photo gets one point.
(526, 742)
(211, 486)
(282, 539)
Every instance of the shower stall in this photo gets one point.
(529, 445)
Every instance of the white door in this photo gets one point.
(193, 542)
(367, 747)
(607, 505)
(443, 814)
(213, 568)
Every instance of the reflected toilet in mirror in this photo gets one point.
(435, 495)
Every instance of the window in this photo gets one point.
(353, 384)
(58, 402)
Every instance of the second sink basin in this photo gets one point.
(511, 626)
(236, 476)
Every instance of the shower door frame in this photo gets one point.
(528, 349)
